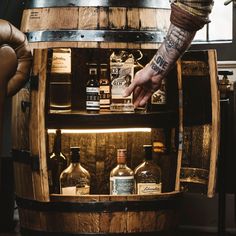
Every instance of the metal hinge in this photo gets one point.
(23, 156)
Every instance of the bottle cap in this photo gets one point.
(148, 151)
(75, 154)
(93, 71)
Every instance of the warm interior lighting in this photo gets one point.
(92, 131)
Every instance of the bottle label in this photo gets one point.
(94, 90)
(61, 61)
(148, 188)
(69, 190)
(159, 97)
(76, 191)
(121, 74)
(121, 185)
(93, 98)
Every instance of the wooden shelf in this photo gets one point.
(84, 120)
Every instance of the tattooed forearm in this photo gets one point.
(177, 39)
(176, 42)
(159, 64)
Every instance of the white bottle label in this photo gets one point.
(121, 185)
(61, 62)
(83, 191)
(69, 190)
(148, 188)
(95, 90)
(75, 191)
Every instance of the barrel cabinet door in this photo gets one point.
(37, 133)
(28, 139)
(199, 122)
(20, 144)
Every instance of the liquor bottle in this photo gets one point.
(121, 177)
(75, 179)
(57, 163)
(105, 89)
(121, 74)
(147, 175)
(60, 80)
(158, 99)
(92, 90)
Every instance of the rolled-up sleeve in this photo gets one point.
(191, 15)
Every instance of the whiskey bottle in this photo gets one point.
(121, 74)
(75, 179)
(147, 175)
(92, 90)
(57, 163)
(105, 89)
(121, 177)
(60, 80)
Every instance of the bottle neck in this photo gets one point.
(148, 154)
(121, 160)
(75, 160)
(57, 143)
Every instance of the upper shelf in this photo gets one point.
(84, 120)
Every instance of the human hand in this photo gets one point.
(146, 81)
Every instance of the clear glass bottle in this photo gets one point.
(121, 177)
(105, 88)
(148, 175)
(93, 90)
(75, 179)
(56, 164)
(60, 80)
(121, 74)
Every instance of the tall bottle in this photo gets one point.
(57, 163)
(60, 80)
(75, 179)
(122, 74)
(105, 89)
(121, 177)
(93, 90)
(148, 175)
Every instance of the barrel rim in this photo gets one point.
(171, 202)
(126, 36)
(162, 4)
(34, 232)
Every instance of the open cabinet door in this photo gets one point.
(199, 119)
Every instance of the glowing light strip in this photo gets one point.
(92, 131)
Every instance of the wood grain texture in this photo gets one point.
(181, 128)
(20, 121)
(37, 127)
(215, 122)
(95, 18)
(101, 222)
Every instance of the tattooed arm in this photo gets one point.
(182, 30)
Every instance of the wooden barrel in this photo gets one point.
(96, 24)
(100, 215)
(44, 213)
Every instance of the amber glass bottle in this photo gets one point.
(147, 174)
(75, 179)
(57, 163)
